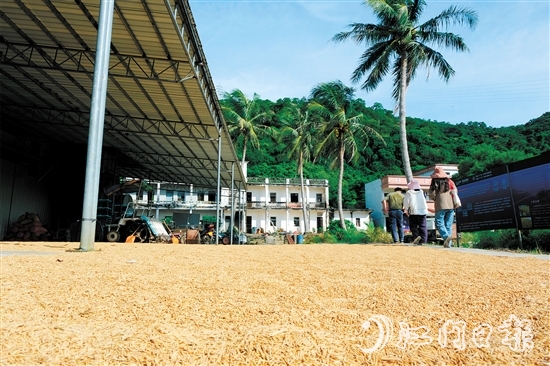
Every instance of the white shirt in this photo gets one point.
(415, 203)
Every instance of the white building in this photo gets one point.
(180, 205)
(268, 205)
(276, 204)
(360, 218)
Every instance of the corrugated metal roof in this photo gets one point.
(162, 113)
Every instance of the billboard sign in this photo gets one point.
(531, 194)
(512, 196)
(486, 202)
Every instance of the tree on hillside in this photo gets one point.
(399, 44)
(339, 129)
(245, 119)
(484, 157)
(297, 126)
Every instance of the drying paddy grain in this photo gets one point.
(160, 304)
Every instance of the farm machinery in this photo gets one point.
(141, 228)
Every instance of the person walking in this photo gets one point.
(393, 206)
(440, 192)
(416, 209)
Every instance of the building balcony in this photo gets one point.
(284, 205)
(176, 204)
(286, 181)
(260, 205)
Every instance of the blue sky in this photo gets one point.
(282, 49)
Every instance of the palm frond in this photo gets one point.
(444, 39)
(437, 61)
(365, 33)
(416, 7)
(376, 62)
(454, 15)
(383, 9)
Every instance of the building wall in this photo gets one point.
(374, 195)
(359, 218)
(285, 220)
(166, 202)
(288, 217)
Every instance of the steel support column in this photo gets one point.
(218, 189)
(97, 118)
(232, 201)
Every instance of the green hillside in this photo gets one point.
(475, 146)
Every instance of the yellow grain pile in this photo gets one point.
(163, 304)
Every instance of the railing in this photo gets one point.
(290, 205)
(255, 180)
(143, 204)
(277, 204)
(285, 181)
(180, 204)
(318, 205)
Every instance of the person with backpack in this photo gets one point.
(416, 209)
(444, 193)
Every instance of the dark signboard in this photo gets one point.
(486, 202)
(531, 193)
(513, 196)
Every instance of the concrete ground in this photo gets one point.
(494, 253)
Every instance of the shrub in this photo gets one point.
(468, 240)
(538, 240)
(335, 229)
(355, 237)
(313, 238)
(377, 235)
(329, 238)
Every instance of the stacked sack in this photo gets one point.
(28, 227)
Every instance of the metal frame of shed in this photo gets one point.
(162, 116)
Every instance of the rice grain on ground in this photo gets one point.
(169, 304)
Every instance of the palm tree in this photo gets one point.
(244, 119)
(399, 43)
(296, 124)
(340, 128)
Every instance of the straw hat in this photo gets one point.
(439, 173)
(413, 184)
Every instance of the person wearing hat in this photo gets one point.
(393, 206)
(416, 208)
(440, 192)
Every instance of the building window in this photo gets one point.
(248, 196)
(273, 197)
(273, 221)
(319, 198)
(200, 196)
(169, 195)
(297, 221)
(294, 197)
(211, 196)
(357, 222)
